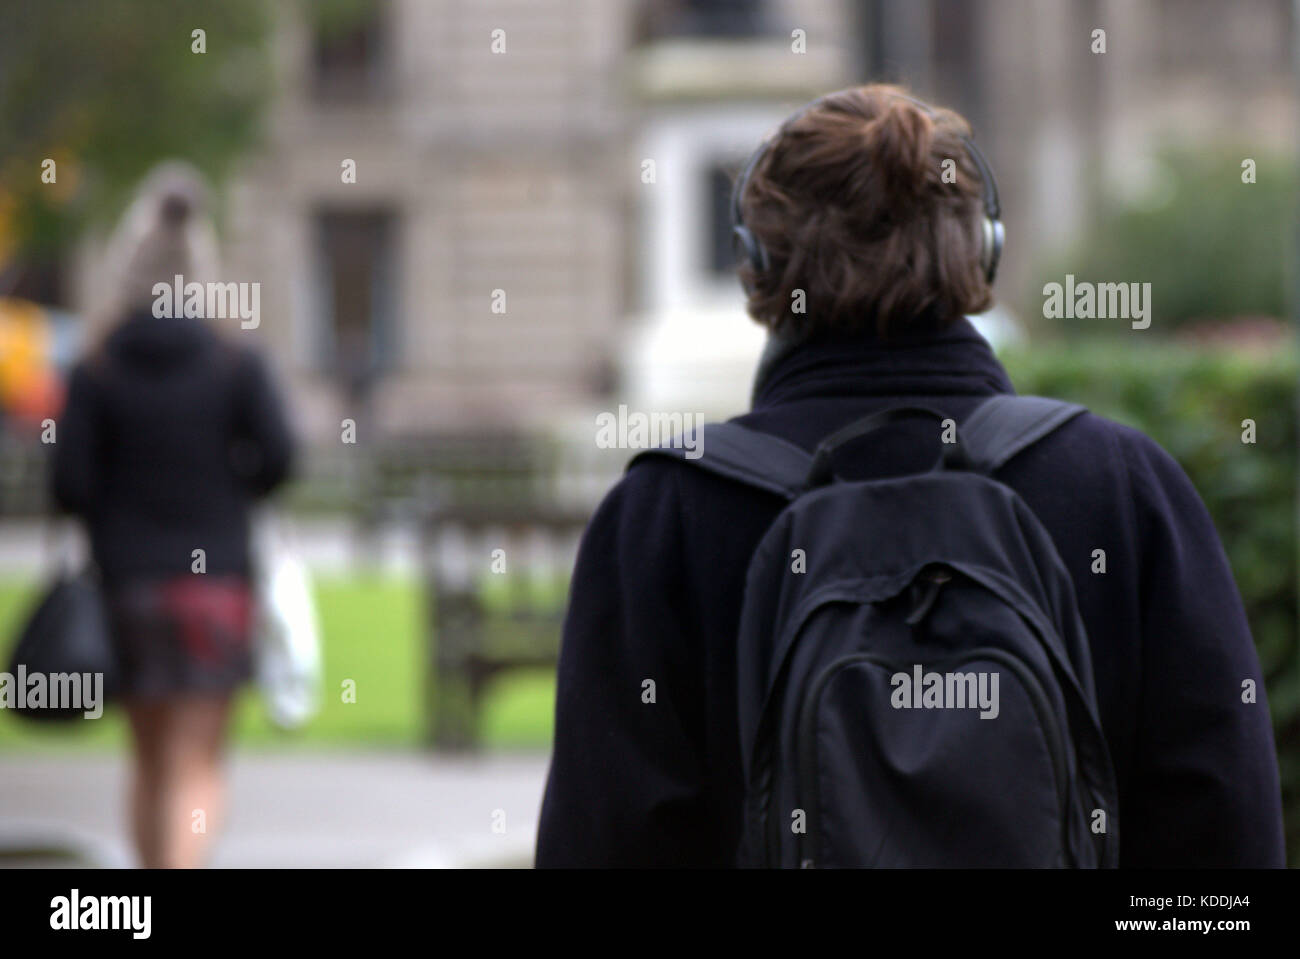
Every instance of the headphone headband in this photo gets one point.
(992, 233)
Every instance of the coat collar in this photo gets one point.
(953, 361)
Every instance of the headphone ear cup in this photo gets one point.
(992, 236)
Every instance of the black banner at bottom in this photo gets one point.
(329, 908)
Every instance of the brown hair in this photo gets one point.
(851, 205)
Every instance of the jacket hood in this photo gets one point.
(145, 340)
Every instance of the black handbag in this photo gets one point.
(67, 633)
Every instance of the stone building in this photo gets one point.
(538, 226)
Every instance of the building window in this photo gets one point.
(718, 245)
(350, 54)
(686, 254)
(875, 47)
(356, 291)
(720, 19)
(957, 73)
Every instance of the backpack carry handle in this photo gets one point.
(822, 472)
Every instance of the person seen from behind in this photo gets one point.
(172, 431)
(855, 219)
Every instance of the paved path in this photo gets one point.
(31, 547)
(310, 807)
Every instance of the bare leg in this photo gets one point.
(177, 793)
(147, 778)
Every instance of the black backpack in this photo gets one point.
(915, 685)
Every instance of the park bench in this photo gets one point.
(479, 634)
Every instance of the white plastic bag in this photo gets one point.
(286, 643)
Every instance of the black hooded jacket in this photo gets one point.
(657, 593)
(168, 435)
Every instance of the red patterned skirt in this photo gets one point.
(188, 634)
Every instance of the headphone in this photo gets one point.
(991, 230)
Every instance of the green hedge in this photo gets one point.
(1208, 244)
(1193, 402)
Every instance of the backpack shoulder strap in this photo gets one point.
(997, 430)
(1004, 425)
(757, 459)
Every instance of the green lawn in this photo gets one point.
(372, 628)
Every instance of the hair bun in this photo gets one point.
(176, 209)
(898, 142)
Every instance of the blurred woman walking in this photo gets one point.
(171, 431)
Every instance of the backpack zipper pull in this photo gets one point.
(935, 579)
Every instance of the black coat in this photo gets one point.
(657, 591)
(168, 436)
